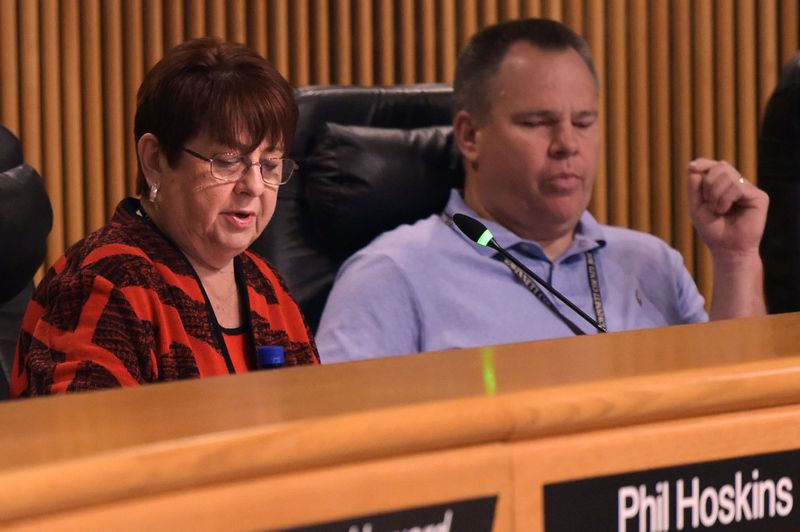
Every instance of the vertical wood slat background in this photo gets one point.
(679, 79)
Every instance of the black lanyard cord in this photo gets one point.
(531, 285)
(594, 286)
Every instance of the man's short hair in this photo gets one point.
(222, 89)
(479, 61)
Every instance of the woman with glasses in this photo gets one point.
(168, 290)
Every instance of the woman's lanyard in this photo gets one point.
(530, 284)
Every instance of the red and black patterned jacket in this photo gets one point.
(124, 306)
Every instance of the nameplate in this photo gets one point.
(740, 494)
(457, 516)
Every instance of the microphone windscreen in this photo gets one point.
(475, 231)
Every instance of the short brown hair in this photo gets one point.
(479, 61)
(215, 87)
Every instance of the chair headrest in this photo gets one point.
(401, 107)
(362, 181)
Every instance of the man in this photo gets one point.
(526, 100)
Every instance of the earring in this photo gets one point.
(153, 193)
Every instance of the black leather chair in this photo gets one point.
(25, 221)
(371, 158)
(779, 177)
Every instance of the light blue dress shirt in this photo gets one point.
(426, 287)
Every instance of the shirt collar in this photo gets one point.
(589, 234)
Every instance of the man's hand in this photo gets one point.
(728, 212)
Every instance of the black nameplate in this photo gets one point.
(747, 493)
(472, 515)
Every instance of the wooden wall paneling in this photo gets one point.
(595, 36)
(509, 10)
(660, 121)
(279, 37)
(618, 119)
(116, 138)
(173, 24)
(257, 26)
(724, 99)
(705, 100)
(788, 25)
(133, 61)
(767, 61)
(488, 13)
(467, 21)
(448, 41)
(386, 62)
(427, 46)
(681, 40)
(51, 168)
(195, 18)
(93, 140)
(30, 132)
(153, 28)
(74, 175)
(300, 50)
(746, 112)
(9, 66)
(321, 43)
(553, 9)
(639, 122)
(408, 46)
(574, 16)
(216, 18)
(237, 21)
(342, 36)
(532, 8)
(365, 72)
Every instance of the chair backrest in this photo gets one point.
(371, 158)
(779, 177)
(25, 221)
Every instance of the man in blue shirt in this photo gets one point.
(526, 100)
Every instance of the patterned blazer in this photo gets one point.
(124, 306)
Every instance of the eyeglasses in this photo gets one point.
(229, 168)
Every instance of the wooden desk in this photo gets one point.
(305, 445)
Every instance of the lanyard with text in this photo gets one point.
(594, 286)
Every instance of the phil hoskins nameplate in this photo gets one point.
(751, 493)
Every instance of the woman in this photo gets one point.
(167, 290)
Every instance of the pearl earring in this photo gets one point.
(153, 193)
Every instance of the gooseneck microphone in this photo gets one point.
(480, 234)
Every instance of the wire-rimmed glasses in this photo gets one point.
(275, 171)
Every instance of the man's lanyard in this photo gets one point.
(530, 284)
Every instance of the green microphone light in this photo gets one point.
(474, 230)
(485, 238)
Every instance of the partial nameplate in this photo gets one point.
(739, 494)
(471, 515)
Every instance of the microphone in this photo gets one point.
(480, 234)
